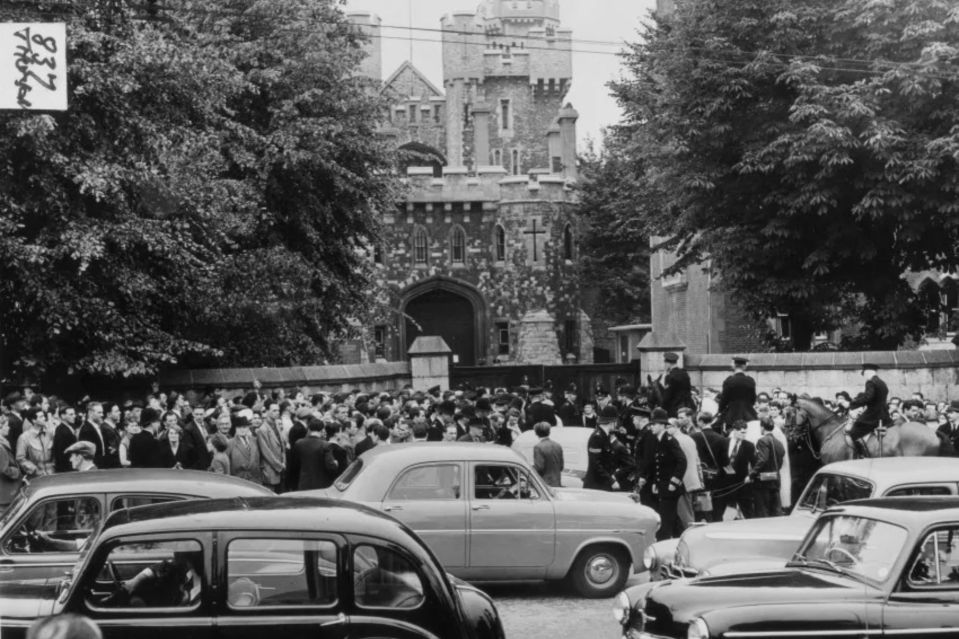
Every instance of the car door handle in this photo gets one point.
(6, 565)
(339, 621)
(481, 507)
(391, 508)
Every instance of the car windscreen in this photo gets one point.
(12, 509)
(343, 481)
(828, 489)
(857, 546)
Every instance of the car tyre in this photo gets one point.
(599, 572)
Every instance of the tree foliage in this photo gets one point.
(809, 149)
(205, 200)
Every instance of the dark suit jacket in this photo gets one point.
(313, 464)
(738, 399)
(548, 461)
(669, 467)
(569, 413)
(16, 429)
(63, 438)
(193, 436)
(364, 445)
(108, 458)
(185, 455)
(874, 399)
(742, 462)
(540, 412)
(953, 437)
(711, 445)
(601, 465)
(769, 455)
(677, 391)
(145, 451)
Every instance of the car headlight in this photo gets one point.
(697, 629)
(622, 609)
(649, 558)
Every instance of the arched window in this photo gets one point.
(568, 242)
(458, 245)
(499, 243)
(420, 246)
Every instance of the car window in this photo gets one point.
(58, 525)
(853, 545)
(343, 481)
(910, 491)
(145, 574)
(132, 501)
(383, 578)
(441, 481)
(937, 564)
(503, 482)
(264, 573)
(827, 489)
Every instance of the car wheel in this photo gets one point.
(599, 571)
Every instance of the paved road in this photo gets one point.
(536, 610)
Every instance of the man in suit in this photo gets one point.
(738, 398)
(145, 451)
(875, 413)
(540, 409)
(713, 450)
(734, 489)
(272, 451)
(765, 475)
(951, 428)
(64, 436)
(547, 456)
(677, 389)
(16, 404)
(599, 453)
(568, 410)
(313, 463)
(666, 476)
(106, 453)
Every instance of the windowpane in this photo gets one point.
(938, 561)
(265, 573)
(428, 482)
(131, 501)
(568, 242)
(419, 246)
(382, 578)
(63, 524)
(502, 337)
(503, 482)
(157, 574)
(504, 114)
(500, 244)
(458, 242)
(379, 342)
(515, 161)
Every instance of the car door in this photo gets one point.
(175, 601)
(925, 601)
(284, 584)
(429, 498)
(512, 523)
(43, 543)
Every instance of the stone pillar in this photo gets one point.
(430, 359)
(455, 99)
(567, 128)
(538, 343)
(481, 113)
(651, 350)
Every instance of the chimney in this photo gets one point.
(567, 132)
(481, 113)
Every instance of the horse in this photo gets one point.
(655, 391)
(828, 432)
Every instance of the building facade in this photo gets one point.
(483, 249)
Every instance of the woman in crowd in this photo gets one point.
(9, 471)
(221, 461)
(131, 427)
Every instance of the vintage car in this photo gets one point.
(751, 544)
(488, 516)
(40, 531)
(573, 441)
(249, 567)
(886, 567)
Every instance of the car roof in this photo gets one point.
(896, 470)
(267, 514)
(441, 451)
(907, 511)
(143, 480)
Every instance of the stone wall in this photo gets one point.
(335, 379)
(933, 373)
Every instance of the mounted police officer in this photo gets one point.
(875, 413)
(738, 398)
(677, 389)
(601, 464)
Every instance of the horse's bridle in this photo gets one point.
(809, 441)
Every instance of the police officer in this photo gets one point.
(677, 389)
(601, 464)
(665, 475)
(873, 400)
(738, 398)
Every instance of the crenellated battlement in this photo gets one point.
(486, 184)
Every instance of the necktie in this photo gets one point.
(735, 449)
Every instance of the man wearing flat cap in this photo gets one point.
(601, 465)
(81, 455)
(738, 398)
(875, 411)
(677, 389)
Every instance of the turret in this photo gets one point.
(369, 24)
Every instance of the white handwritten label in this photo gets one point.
(33, 66)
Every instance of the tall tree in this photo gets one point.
(204, 200)
(808, 148)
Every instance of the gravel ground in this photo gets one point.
(537, 610)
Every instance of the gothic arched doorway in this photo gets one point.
(451, 310)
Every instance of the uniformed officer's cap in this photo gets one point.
(659, 416)
(601, 392)
(536, 390)
(870, 367)
(740, 361)
(671, 357)
(639, 410)
(608, 415)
